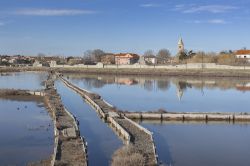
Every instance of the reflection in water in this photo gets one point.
(202, 144)
(185, 94)
(102, 142)
(23, 80)
(26, 133)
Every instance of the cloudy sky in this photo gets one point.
(70, 27)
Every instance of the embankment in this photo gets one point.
(21, 95)
(70, 148)
(188, 116)
(222, 71)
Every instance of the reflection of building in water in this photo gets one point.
(125, 81)
(243, 87)
(179, 92)
(180, 87)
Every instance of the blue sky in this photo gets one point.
(70, 27)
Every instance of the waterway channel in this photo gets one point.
(102, 141)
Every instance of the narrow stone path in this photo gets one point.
(70, 148)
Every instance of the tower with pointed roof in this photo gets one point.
(180, 45)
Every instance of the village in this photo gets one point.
(98, 57)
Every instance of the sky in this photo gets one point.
(70, 27)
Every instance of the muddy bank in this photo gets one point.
(22, 69)
(19, 95)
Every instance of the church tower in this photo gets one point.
(180, 46)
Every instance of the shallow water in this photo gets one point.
(102, 142)
(137, 93)
(27, 133)
(23, 80)
(202, 144)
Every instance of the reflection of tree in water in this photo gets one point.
(93, 83)
(184, 85)
(148, 85)
(163, 85)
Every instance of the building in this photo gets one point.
(37, 64)
(108, 59)
(181, 45)
(150, 59)
(126, 59)
(243, 54)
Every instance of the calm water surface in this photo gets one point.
(26, 132)
(169, 93)
(23, 80)
(102, 142)
(202, 144)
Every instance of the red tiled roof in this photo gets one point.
(242, 52)
(125, 54)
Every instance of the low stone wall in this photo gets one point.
(85, 93)
(189, 116)
(125, 135)
(140, 66)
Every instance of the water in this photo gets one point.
(23, 80)
(102, 142)
(136, 93)
(26, 135)
(202, 144)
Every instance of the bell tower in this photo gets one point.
(180, 45)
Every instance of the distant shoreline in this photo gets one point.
(142, 71)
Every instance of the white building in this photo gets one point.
(37, 64)
(243, 54)
(151, 59)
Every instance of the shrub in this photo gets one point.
(127, 156)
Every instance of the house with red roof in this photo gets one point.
(243, 54)
(126, 59)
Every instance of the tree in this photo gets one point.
(163, 55)
(149, 53)
(182, 55)
(97, 55)
(94, 55)
(41, 56)
(87, 57)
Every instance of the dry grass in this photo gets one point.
(127, 156)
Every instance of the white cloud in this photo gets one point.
(217, 21)
(205, 8)
(52, 12)
(149, 5)
(212, 21)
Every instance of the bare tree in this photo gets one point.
(97, 55)
(40, 56)
(94, 55)
(149, 53)
(163, 56)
